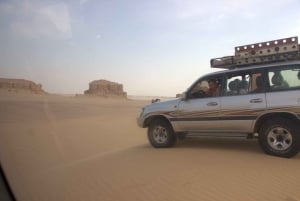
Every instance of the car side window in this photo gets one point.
(200, 86)
(207, 87)
(244, 83)
(284, 78)
(237, 84)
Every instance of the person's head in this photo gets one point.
(277, 79)
(213, 84)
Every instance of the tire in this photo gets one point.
(161, 134)
(278, 137)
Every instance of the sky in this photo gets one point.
(152, 47)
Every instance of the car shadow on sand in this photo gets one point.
(213, 144)
(232, 144)
(250, 146)
(240, 144)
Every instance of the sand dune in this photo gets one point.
(56, 148)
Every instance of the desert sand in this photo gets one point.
(56, 148)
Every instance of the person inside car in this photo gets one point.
(259, 85)
(278, 81)
(213, 88)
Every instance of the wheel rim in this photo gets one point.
(280, 138)
(160, 135)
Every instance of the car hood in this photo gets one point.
(166, 105)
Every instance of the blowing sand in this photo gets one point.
(56, 148)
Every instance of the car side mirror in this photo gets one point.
(184, 96)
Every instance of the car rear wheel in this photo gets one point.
(278, 137)
(161, 134)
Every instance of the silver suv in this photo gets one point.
(257, 96)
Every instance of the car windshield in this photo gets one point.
(75, 79)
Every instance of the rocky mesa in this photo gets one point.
(106, 88)
(20, 85)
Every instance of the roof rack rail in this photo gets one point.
(285, 49)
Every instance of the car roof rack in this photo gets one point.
(285, 49)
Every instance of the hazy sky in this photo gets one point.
(152, 47)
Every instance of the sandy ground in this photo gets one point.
(57, 148)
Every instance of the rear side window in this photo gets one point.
(244, 83)
(284, 78)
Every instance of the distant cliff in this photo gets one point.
(106, 88)
(20, 85)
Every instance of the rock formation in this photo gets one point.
(20, 85)
(105, 88)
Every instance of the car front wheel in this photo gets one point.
(161, 134)
(278, 137)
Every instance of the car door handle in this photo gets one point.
(256, 100)
(212, 104)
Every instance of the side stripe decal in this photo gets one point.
(214, 118)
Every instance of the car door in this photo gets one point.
(283, 93)
(243, 101)
(199, 113)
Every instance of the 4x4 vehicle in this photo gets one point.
(258, 95)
